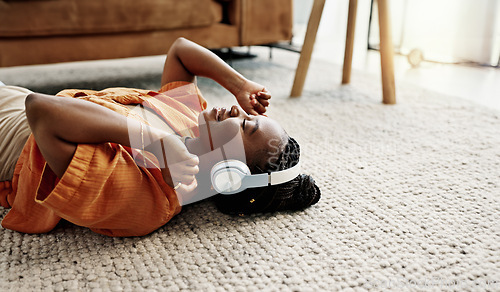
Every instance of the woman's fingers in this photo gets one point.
(184, 172)
(264, 94)
(187, 169)
(264, 102)
(179, 167)
(259, 108)
(251, 110)
(187, 188)
(192, 160)
(185, 179)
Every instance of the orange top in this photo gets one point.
(103, 188)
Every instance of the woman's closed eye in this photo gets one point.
(255, 127)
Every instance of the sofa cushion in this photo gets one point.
(70, 17)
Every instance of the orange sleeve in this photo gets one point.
(5, 190)
(105, 190)
(182, 91)
(25, 215)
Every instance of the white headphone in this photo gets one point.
(233, 176)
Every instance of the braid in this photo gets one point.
(296, 194)
(289, 157)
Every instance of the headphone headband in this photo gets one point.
(233, 176)
(279, 177)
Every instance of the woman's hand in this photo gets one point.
(253, 98)
(178, 166)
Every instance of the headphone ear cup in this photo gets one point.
(227, 176)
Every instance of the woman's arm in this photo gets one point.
(186, 60)
(78, 121)
(59, 124)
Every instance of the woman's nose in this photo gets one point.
(234, 111)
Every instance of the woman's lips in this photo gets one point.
(213, 114)
(219, 113)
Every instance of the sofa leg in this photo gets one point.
(307, 48)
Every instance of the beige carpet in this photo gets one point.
(411, 198)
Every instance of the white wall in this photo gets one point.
(447, 30)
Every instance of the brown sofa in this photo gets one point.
(50, 31)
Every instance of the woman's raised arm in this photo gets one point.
(186, 60)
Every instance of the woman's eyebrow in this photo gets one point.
(256, 126)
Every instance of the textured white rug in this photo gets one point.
(411, 197)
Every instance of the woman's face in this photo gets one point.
(262, 137)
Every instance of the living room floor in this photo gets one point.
(409, 193)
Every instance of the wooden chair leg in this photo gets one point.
(307, 48)
(386, 53)
(349, 42)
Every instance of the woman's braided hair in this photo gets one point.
(297, 194)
